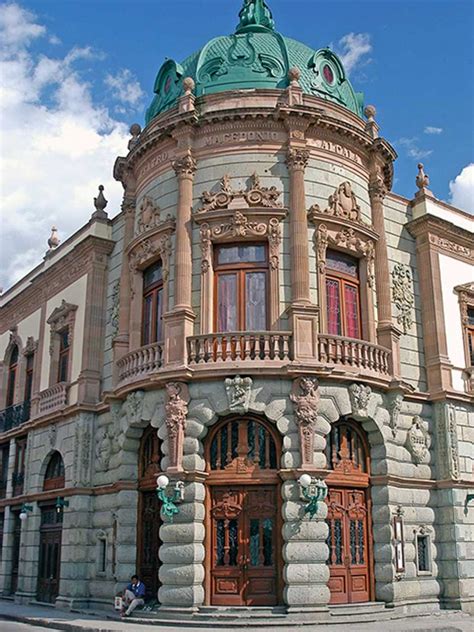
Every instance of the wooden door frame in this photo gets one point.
(265, 478)
(336, 480)
(53, 528)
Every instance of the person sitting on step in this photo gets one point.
(133, 596)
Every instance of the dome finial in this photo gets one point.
(255, 16)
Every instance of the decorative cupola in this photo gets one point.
(255, 16)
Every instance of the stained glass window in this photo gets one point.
(328, 73)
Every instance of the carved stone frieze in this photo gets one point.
(342, 203)
(238, 390)
(417, 440)
(255, 195)
(403, 295)
(115, 309)
(394, 407)
(176, 410)
(360, 399)
(158, 246)
(305, 397)
(447, 440)
(149, 215)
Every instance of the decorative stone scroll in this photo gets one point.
(360, 399)
(305, 397)
(394, 406)
(30, 347)
(417, 440)
(238, 392)
(255, 195)
(176, 410)
(151, 249)
(342, 203)
(403, 295)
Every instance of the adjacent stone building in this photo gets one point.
(262, 307)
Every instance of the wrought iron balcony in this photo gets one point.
(240, 346)
(353, 354)
(14, 416)
(141, 362)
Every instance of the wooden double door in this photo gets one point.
(244, 545)
(49, 571)
(149, 542)
(349, 552)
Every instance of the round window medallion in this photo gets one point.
(328, 73)
(167, 85)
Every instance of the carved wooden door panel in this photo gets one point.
(49, 555)
(348, 545)
(149, 542)
(244, 546)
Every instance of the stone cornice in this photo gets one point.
(54, 279)
(443, 236)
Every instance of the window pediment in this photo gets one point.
(61, 316)
(255, 195)
(342, 205)
(152, 244)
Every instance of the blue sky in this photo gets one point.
(77, 73)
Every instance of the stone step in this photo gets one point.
(353, 609)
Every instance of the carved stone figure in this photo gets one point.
(422, 179)
(403, 295)
(53, 241)
(341, 203)
(52, 435)
(394, 405)
(417, 440)
(115, 309)
(238, 391)
(360, 398)
(305, 397)
(103, 448)
(149, 215)
(134, 407)
(176, 410)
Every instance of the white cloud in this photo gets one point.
(124, 87)
(462, 189)
(412, 148)
(353, 49)
(429, 129)
(57, 144)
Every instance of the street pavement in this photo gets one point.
(17, 618)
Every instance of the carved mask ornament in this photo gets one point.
(238, 392)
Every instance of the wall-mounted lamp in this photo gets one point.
(469, 497)
(24, 511)
(312, 491)
(169, 500)
(60, 504)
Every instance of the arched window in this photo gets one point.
(150, 456)
(54, 476)
(342, 295)
(243, 445)
(241, 288)
(12, 371)
(347, 450)
(152, 330)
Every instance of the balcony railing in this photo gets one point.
(53, 398)
(141, 362)
(349, 352)
(240, 346)
(14, 416)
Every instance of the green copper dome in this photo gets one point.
(255, 56)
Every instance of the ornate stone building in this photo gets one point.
(263, 306)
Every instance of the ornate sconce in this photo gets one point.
(312, 491)
(169, 500)
(60, 504)
(24, 511)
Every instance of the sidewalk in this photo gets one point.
(80, 622)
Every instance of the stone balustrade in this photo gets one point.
(53, 398)
(141, 362)
(349, 352)
(240, 346)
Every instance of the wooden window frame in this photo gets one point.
(240, 269)
(61, 318)
(153, 290)
(12, 377)
(64, 353)
(466, 303)
(19, 466)
(29, 376)
(54, 482)
(344, 279)
(5, 454)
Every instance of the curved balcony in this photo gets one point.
(140, 363)
(53, 398)
(352, 354)
(240, 346)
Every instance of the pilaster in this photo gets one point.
(29, 556)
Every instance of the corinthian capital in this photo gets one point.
(185, 166)
(377, 188)
(297, 158)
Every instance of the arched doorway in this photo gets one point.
(51, 528)
(149, 521)
(349, 508)
(243, 560)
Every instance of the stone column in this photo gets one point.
(29, 556)
(387, 334)
(182, 552)
(305, 554)
(6, 559)
(179, 322)
(120, 343)
(303, 314)
(75, 572)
